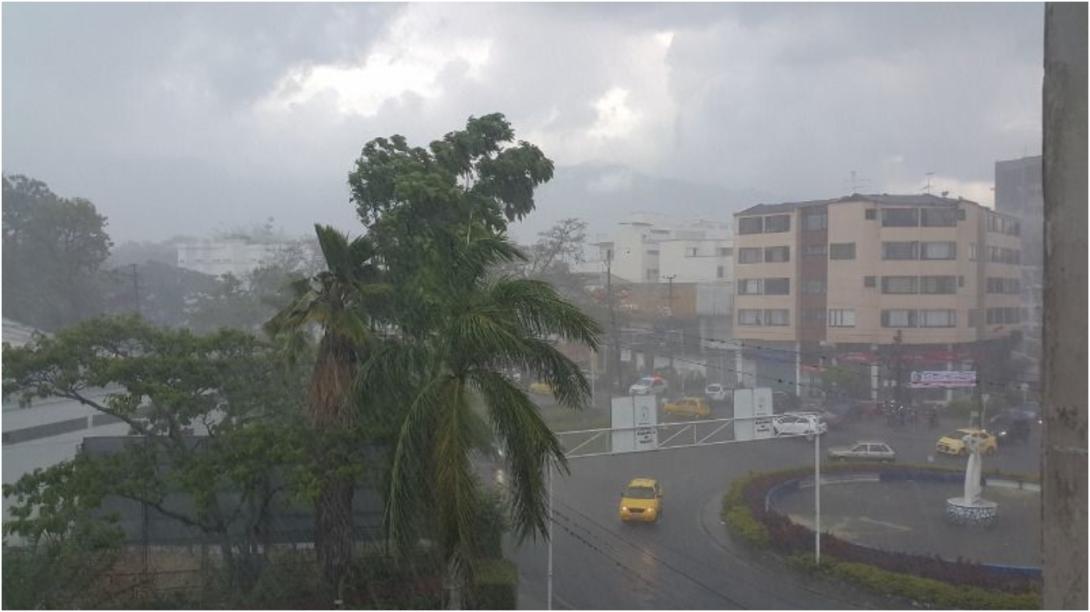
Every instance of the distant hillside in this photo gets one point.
(603, 195)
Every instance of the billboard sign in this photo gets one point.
(749, 406)
(634, 420)
(954, 379)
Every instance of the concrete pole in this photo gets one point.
(1064, 473)
(817, 499)
(798, 371)
(549, 570)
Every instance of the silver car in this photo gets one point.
(864, 451)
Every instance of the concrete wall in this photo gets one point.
(1064, 473)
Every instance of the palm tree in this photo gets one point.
(342, 302)
(460, 330)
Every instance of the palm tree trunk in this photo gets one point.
(330, 413)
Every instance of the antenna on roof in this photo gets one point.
(927, 188)
(855, 182)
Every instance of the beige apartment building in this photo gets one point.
(847, 276)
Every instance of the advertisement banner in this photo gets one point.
(634, 411)
(955, 379)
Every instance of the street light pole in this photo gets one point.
(817, 498)
(549, 570)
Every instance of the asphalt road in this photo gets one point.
(686, 561)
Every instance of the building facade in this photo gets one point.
(651, 249)
(851, 275)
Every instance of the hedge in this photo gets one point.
(926, 579)
(496, 584)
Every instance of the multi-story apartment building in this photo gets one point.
(1018, 192)
(652, 249)
(847, 276)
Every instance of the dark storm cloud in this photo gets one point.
(183, 118)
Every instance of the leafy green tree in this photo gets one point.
(342, 302)
(53, 248)
(166, 385)
(438, 218)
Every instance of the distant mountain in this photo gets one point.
(604, 195)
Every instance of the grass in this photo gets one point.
(559, 418)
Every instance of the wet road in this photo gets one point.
(685, 561)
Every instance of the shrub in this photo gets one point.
(495, 585)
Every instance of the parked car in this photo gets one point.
(649, 385)
(863, 451)
(952, 443)
(689, 406)
(641, 500)
(716, 393)
(798, 424)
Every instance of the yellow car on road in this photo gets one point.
(689, 406)
(540, 388)
(952, 443)
(641, 501)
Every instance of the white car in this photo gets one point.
(795, 424)
(648, 385)
(716, 392)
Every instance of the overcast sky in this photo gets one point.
(191, 118)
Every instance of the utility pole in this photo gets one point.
(898, 394)
(614, 362)
(670, 320)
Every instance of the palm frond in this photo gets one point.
(541, 310)
(530, 445)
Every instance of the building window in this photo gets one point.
(842, 250)
(1004, 285)
(749, 255)
(815, 250)
(938, 250)
(973, 317)
(719, 272)
(813, 315)
(750, 225)
(972, 251)
(815, 221)
(938, 318)
(777, 286)
(724, 251)
(691, 252)
(900, 217)
(938, 217)
(777, 317)
(777, 223)
(938, 284)
(749, 286)
(900, 250)
(898, 284)
(841, 317)
(653, 252)
(868, 281)
(749, 316)
(1004, 315)
(652, 274)
(870, 214)
(898, 318)
(813, 286)
(777, 254)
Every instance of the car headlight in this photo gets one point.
(624, 508)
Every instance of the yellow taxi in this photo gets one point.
(952, 443)
(641, 501)
(689, 406)
(540, 388)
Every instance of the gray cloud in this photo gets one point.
(169, 116)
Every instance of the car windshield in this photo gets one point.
(639, 493)
(647, 381)
(957, 435)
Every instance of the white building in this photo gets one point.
(236, 256)
(653, 248)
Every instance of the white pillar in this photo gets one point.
(798, 370)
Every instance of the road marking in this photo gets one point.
(867, 519)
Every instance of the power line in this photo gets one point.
(820, 354)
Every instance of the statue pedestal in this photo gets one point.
(978, 513)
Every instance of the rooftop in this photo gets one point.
(881, 199)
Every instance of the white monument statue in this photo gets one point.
(970, 508)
